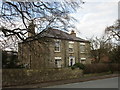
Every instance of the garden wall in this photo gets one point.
(25, 76)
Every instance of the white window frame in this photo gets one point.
(82, 44)
(60, 61)
(83, 59)
(59, 45)
(71, 43)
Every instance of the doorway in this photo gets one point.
(71, 61)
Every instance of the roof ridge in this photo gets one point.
(56, 33)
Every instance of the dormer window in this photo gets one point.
(57, 45)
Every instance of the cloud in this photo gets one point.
(94, 17)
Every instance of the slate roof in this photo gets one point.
(58, 34)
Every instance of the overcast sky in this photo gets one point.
(94, 16)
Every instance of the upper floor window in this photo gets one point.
(82, 48)
(71, 46)
(57, 45)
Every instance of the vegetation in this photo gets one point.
(100, 68)
(10, 60)
(17, 18)
(114, 30)
(78, 65)
(97, 68)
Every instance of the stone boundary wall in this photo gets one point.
(29, 76)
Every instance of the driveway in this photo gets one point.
(102, 83)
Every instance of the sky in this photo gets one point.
(95, 16)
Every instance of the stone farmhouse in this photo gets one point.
(54, 48)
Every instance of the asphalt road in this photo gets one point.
(102, 83)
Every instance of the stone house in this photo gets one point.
(54, 48)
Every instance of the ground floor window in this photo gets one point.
(83, 60)
(58, 62)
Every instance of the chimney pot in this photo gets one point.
(31, 29)
(73, 33)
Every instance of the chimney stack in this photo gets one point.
(73, 33)
(31, 29)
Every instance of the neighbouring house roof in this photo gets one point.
(58, 34)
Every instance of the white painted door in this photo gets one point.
(71, 61)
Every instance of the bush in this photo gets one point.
(96, 68)
(114, 67)
(78, 65)
(100, 67)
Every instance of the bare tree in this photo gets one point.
(100, 47)
(15, 17)
(114, 30)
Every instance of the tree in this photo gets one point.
(16, 16)
(114, 30)
(17, 19)
(100, 47)
(10, 60)
(115, 55)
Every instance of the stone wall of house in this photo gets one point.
(29, 76)
(65, 54)
(34, 54)
(37, 54)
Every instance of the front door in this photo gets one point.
(71, 61)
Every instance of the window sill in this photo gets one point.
(71, 52)
(83, 52)
(56, 51)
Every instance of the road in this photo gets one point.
(102, 83)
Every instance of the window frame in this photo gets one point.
(82, 45)
(71, 43)
(58, 59)
(59, 45)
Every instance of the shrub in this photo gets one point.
(114, 67)
(96, 68)
(78, 65)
